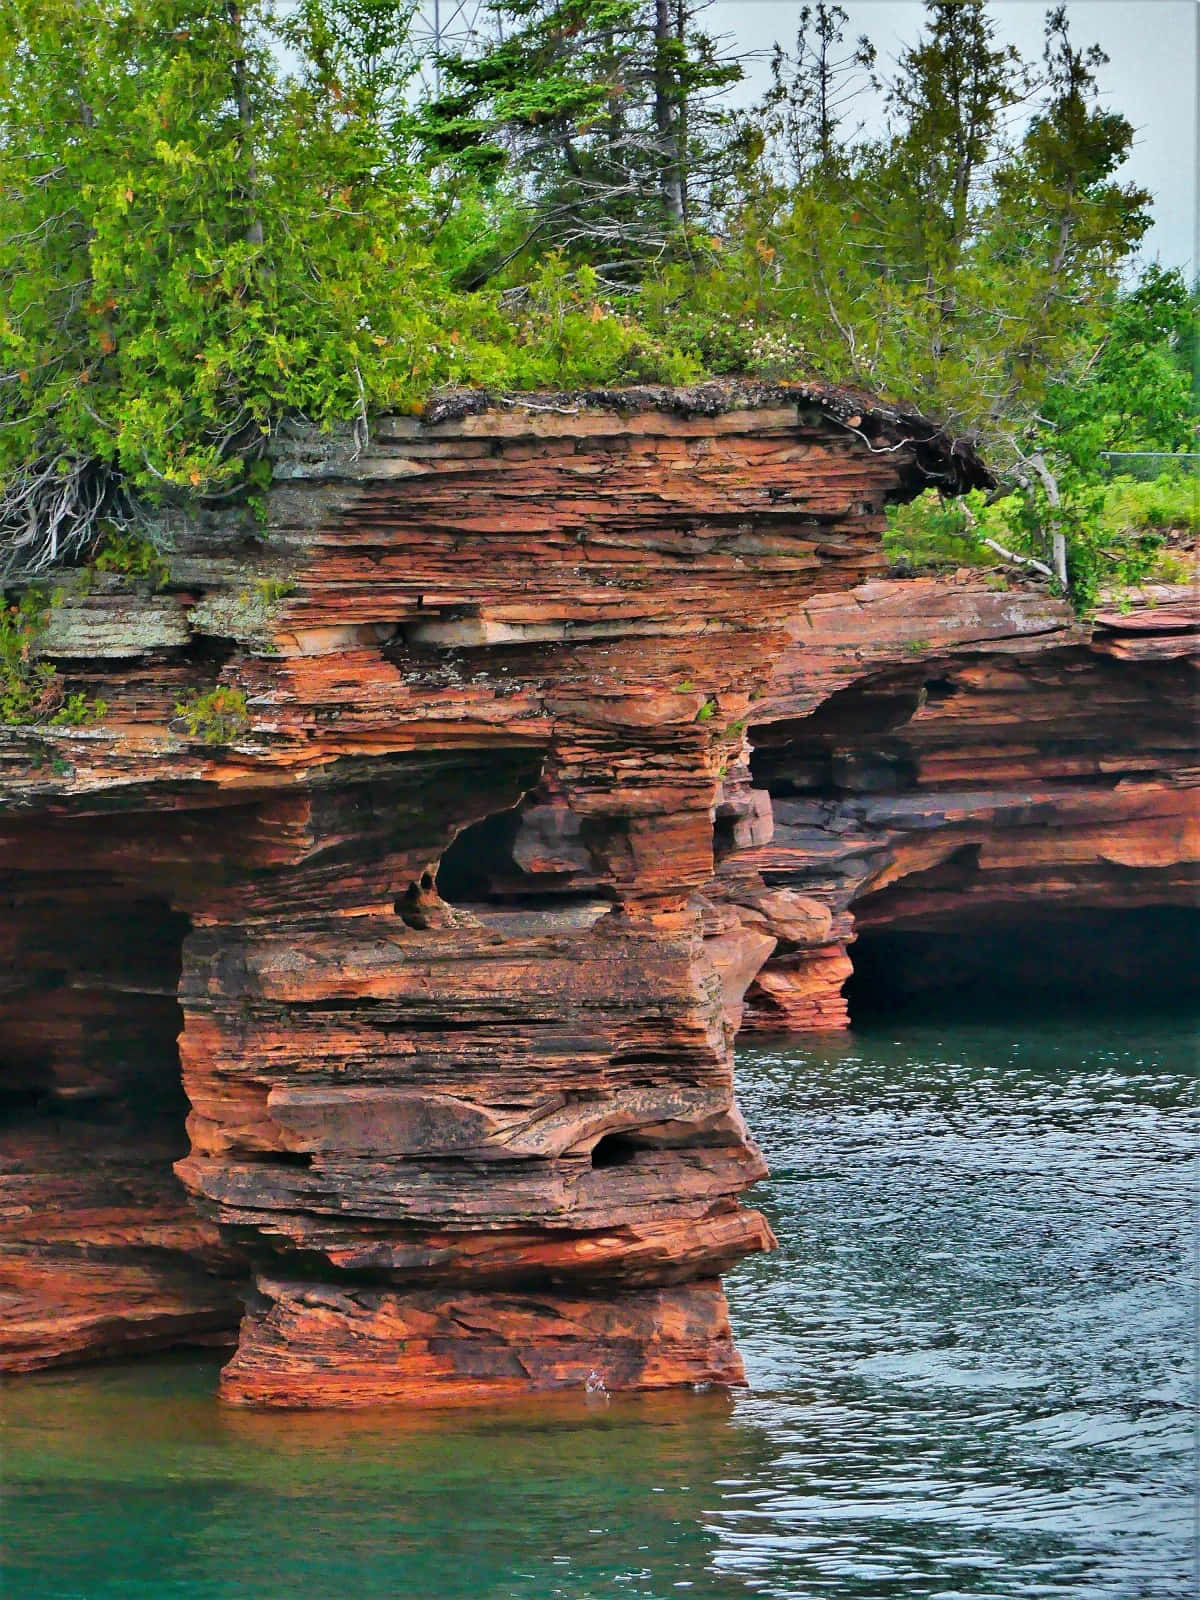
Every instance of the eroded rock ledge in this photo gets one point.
(570, 721)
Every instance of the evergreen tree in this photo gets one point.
(948, 102)
(946, 263)
(600, 113)
(214, 219)
(803, 112)
(189, 245)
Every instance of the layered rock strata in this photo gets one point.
(987, 812)
(100, 1251)
(464, 918)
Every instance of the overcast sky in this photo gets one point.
(1152, 77)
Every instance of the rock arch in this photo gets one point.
(469, 1150)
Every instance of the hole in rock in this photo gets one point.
(852, 743)
(724, 838)
(614, 1150)
(479, 860)
(524, 872)
(89, 1026)
(103, 1245)
(939, 689)
(1101, 959)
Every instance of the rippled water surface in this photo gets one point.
(972, 1361)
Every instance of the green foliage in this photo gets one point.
(601, 114)
(973, 276)
(196, 245)
(1117, 529)
(801, 115)
(41, 758)
(707, 711)
(1121, 529)
(216, 716)
(28, 686)
(935, 534)
(132, 556)
(272, 590)
(77, 711)
(1169, 502)
(1138, 392)
(218, 217)
(566, 334)
(943, 265)
(31, 691)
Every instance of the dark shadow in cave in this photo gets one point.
(1041, 961)
(852, 743)
(104, 1255)
(614, 1150)
(90, 1029)
(525, 871)
(479, 862)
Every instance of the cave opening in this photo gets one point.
(614, 1150)
(1045, 962)
(90, 1019)
(105, 1255)
(479, 865)
(526, 870)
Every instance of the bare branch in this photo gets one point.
(1023, 561)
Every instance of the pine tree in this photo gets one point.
(599, 114)
(803, 113)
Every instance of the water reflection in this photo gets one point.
(970, 1359)
(142, 1487)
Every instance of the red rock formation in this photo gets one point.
(100, 1251)
(465, 918)
(980, 788)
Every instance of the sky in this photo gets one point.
(1152, 77)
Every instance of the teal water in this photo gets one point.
(972, 1359)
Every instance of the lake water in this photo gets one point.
(973, 1364)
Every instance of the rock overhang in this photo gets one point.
(564, 612)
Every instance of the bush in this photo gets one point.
(133, 557)
(935, 534)
(218, 716)
(1166, 503)
(31, 691)
(28, 686)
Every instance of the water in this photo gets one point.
(972, 1361)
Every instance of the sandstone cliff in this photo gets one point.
(568, 722)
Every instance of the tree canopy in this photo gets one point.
(217, 216)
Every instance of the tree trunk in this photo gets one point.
(666, 115)
(241, 94)
(1058, 539)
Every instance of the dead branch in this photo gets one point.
(1023, 561)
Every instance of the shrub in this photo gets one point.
(28, 686)
(272, 590)
(133, 557)
(218, 716)
(934, 533)
(31, 691)
(77, 711)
